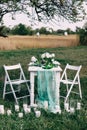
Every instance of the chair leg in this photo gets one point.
(66, 98)
(4, 90)
(28, 87)
(14, 94)
(80, 92)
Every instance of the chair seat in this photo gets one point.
(17, 82)
(69, 81)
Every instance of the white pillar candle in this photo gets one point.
(16, 107)
(2, 111)
(45, 104)
(9, 112)
(66, 105)
(78, 105)
(37, 113)
(27, 110)
(20, 115)
(25, 106)
(59, 111)
(72, 110)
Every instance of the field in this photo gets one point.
(43, 41)
(76, 55)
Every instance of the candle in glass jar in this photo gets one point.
(25, 106)
(20, 115)
(46, 104)
(37, 113)
(78, 105)
(16, 107)
(9, 112)
(72, 110)
(2, 111)
(66, 105)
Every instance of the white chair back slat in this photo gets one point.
(12, 67)
(71, 67)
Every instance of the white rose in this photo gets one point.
(33, 59)
(43, 55)
(52, 60)
(56, 63)
(53, 55)
(47, 55)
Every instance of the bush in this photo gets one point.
(83, 36)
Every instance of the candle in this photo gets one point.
(59, 111)
(66, 105)
(72, 110)
(38, 113)
(20, 115)
(78, 105)
(45, 104)
(2, 111)
(16, 107)
(27, 110)
(25, 106)
(9, 112)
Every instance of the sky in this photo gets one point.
(22, 18)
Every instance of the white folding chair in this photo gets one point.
(15, 78)
(70, 77)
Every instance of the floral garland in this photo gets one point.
(46, 61)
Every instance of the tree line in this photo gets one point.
(22, 29)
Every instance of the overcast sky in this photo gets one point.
(21, 18)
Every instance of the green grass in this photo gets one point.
(47, 120)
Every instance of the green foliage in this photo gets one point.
(83, 35)
(45, 10)
(20, 30)
(43, 31)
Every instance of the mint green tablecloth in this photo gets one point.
(47, 88)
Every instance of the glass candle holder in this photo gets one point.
(9, 112)
(45, 104)
(37, 113)
(72, 105)
(2, 111)
(16, 107)
(66, 106)
(78, 105)
(20, 114)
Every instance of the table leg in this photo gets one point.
(58, 89)
(32, 88)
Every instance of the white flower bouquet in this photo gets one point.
(46, 61)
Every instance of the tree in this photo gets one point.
(20, 30)
(44, 9)
(83, 34)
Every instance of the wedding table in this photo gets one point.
(33, 70)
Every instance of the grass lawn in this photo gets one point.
(47, 121)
